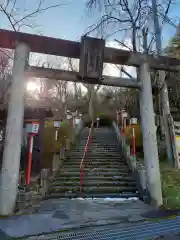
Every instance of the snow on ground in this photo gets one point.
(107, 199)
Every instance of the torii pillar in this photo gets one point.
(151, 158)
(12, 149)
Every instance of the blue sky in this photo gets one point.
(67, 22)
(71, 20)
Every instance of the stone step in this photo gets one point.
(96, 178)
(94, 189)
(95, 164)
(101, 160)
(106, 168)
(104, 139)
(105, 156)
(100, 150)
(115, 173)
(89, 162)
(100, 147)
(96, 170)
(95, 154)
(90, 195)
(103, 150)
(104, 174)
(105, 145)
(95, 158)
(88, 183)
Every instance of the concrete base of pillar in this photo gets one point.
(142, 177)
(44, 181)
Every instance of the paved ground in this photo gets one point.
(60, 215)
(170, 237)
(64, 214)
(145, 230)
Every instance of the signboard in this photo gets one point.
(124, 114)
(77, 120)
(91, 57)
(69, 116)
(57, 124)
(32, 128)
(133, 121)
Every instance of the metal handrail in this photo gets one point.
(82, 166)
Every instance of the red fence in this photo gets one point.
(83, 163)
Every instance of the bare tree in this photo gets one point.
(20, 15)
(91, 96)
(5, 76)
(124, 15)
(92, 90)
(128, 19)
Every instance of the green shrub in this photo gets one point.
(170, 178)
(51, 145)
(138, 134)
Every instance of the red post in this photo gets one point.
(28, 174)
(73, 122)
(84, 155)
(122, 123)
(81, 179)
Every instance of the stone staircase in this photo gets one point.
(106, 173)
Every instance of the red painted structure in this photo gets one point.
(32, 132)
(28, 172)
(82, 165)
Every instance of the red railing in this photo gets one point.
(82, 164)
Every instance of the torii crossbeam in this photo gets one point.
(71, 49)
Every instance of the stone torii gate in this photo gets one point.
(92, 53)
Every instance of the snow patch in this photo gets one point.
(108, 199)
(120, 199)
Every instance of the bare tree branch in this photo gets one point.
(123, 44)
(18, 17)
